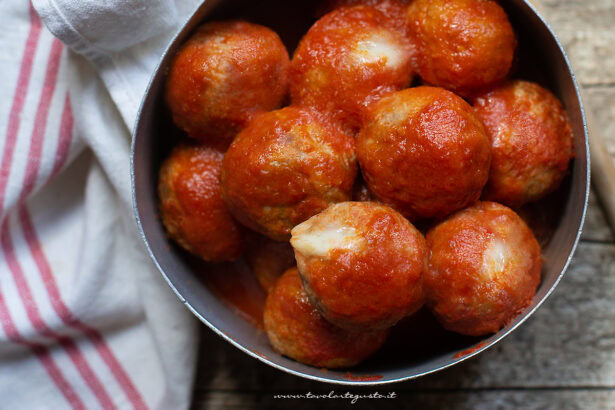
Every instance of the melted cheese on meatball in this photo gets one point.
(495, 259)
(378, 47)
(319, 239)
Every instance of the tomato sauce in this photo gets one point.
(236, 286)
(470, 350)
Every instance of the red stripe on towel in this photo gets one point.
(33, 313)
(68, 318)
(65, 137)
(19, 99)
(48, 278)
(17, 105)
(40, 120)
(42, 354)
(32, 169)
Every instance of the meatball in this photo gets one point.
(394, 10)
(269, 259)
(346, 61)
(483, 270)
(425, 152)
(297, 330)
(362, 264)
(224, 74)
(286, 166)
(531, 142)
(191, 204)
(462, 45)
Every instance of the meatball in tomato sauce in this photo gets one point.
(346, 61)
(268, 259)
(394, 10)
(425, 152)
(483, 270)
(191, 205)
(224, 74)
(531, 142)
(297, 330)
(362, 264)
(462, 45)
(286, 166)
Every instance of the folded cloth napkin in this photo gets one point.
(85, 320)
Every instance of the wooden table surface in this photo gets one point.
(562, 358)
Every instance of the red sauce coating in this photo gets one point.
(425, 152)
(346, 61)
(224, 74)
(368, 275)
(286, 166)
(462, 45)
(484, 269)
(394, 10)
(191, 204)
(362, 378)
(297, 330)
(531, 141)
(235, 285)
(269, 259)
(470, 350)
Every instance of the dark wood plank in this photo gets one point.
(596, 228)
(601, 102)
(473, 400)
(587, 33)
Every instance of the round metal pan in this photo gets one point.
(541, 58)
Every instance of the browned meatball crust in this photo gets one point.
(286, 166)
(191, 204)
(224, 74)
(483, 270)
(346, 61)
(531, 142)
(362, 264)
(462, 45)
(297, 330)
(425, 152)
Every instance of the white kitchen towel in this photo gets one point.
(85, 320)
